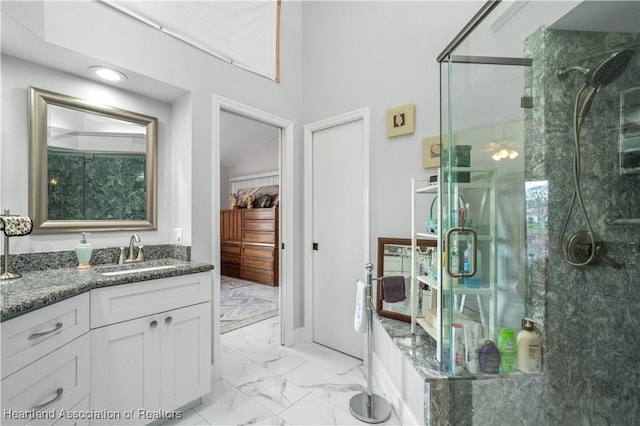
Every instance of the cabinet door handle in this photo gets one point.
(168, 320)
(153, 324)
(44, 333)
(59, 392)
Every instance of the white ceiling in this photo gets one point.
(615, 16)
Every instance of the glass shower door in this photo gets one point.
(482, 191)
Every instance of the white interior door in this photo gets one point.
(340, 231)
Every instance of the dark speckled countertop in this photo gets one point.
(419, 349)
(37, 289)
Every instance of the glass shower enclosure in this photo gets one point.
(539, 208)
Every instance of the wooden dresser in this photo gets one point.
(249, 244)
(230, 242)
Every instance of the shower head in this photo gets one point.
(606, 71)
(609, 69)
(603, 74)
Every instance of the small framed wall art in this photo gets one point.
(401, 120)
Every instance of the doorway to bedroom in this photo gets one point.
(249, 221)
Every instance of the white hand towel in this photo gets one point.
(360, 317)
(16, 226)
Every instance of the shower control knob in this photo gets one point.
(580, 249)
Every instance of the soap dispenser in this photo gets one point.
(529, 348)
(83, 252)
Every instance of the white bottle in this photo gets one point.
(528, 348)
(455, 263)
(474, 281)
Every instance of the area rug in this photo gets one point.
(244, 302)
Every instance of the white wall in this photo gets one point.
(181, 177)
(381, 55)
(17, 76)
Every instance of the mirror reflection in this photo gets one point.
(394, 261)
(91, 158)
(92, 167)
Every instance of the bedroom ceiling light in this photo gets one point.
(504, 153)
(108, 74)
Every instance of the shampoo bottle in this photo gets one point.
(507, 348)
(489, 357)
(458, 348)
(83, 252)
(474, 281)
(455, 263)
(529, 349)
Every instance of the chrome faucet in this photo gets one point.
(135, 238)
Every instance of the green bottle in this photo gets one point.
(507, 348)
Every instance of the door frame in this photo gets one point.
(286, 211)
(309, 130)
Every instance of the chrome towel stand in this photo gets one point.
(367, 406)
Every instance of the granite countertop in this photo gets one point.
(419, 349)
(37, 289)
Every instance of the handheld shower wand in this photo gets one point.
(585, 247)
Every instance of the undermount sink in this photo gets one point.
(138, 270)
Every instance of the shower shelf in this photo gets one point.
(633, 221)
(629, 147)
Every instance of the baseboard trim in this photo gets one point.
(298, 336)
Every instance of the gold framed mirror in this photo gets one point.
(91, 167)
(394, 259)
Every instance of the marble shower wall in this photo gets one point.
(591, 317)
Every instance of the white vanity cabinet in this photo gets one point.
(150, 346)
(45, 362)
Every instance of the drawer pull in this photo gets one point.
(44, 333)
(168, 320)
(48, 403)
(153, 324)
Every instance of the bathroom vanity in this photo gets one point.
(111, 345)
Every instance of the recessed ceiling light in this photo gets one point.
(108, 74)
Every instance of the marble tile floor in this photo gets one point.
(264, 383)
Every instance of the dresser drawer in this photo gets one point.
(257, 263)
(114, 304)
(258, 237)
(60, 378)
(230, 248)
(259, 225)
(259, 214)
(33, 335)
(263, 252)
(230, 270)
(232, 259)
(258, 276)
